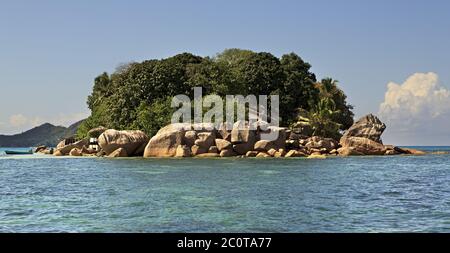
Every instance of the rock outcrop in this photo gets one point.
(243, 137)
(295, 153)
(364, 137)
(410, 151)
(247, 140)
(222, 144)
(75, 152)
(96, 132)
(120, 152)
(363, 145)
(64, 149)
(205, 139)
(132, 141)
(44, 150)
(369, 127)
(319, 143)
(40, 149)
(168, 138)
(183, 151)
(302, 128)
(227, 153)
(348, 151)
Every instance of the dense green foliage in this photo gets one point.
(138, 95)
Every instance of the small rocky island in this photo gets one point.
(201, 140)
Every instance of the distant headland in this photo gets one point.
(45, 134)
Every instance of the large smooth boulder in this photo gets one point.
(317, 156)
(302, 129)
(263, 145)
(75, 152)
(227, 153)
(243, 148)
(48, 151)
(263, 155)
(120, 152)
(364, 145)
(57, 153)
(365, 136)
(164, 144)
(168, 138)
(61, 144)
(223, 144)
(133, 141)
(369, 127)
(348, 151)
(242, 133)
(183, 151)
(410, 151)
(213, 149)
(40, 149)
(190, 137)
(205, 139)
(274, 137)
(316, 142)
(224, 131)
(96, 132)
(197, 150)
(251, 154)
(66, 142)
(272, 152)
(295, 153)
(243, 137)
(65, 149)
(87, 151)
(208, 155)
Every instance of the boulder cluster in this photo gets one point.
(203, 140)
(364, 138)
(238, 140)
(112, 143)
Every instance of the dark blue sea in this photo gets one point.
(356, 194)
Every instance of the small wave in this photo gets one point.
(151, 172)
(409, 181)
(270, 172)
(20, 213)
(392, 193)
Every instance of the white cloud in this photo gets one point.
(419, 106)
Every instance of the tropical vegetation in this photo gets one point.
(138, 95)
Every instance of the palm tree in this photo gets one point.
(320, 119)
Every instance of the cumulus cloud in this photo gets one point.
(419, 106)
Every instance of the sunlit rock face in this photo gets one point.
(369, 127)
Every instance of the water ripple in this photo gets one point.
(361, 194)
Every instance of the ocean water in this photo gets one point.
(357, 194)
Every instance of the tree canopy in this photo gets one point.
(138, 95)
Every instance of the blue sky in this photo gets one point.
(50, 51)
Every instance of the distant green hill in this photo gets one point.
(46, 134)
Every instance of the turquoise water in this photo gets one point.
(359, 194)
